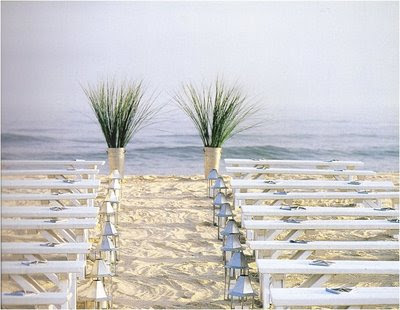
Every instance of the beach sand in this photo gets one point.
(170, 256)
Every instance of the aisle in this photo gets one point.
(170, 257)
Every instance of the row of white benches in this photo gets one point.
(63, 217)
(289, 223)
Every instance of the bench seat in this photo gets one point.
(17, 268)
(45, 225)
(269, 210)
(320, 224)
(320, 297)
(27, 248)
(293, 162)
(42, 298)
(48, 197)
(50, 184)
(237, 184)
(47, 212)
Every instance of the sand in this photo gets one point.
(170, 256)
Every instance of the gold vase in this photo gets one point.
(116, 160)
(212, 156)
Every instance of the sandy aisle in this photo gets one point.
(170, 257)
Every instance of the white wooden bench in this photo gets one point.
(242, 186)
(51, 184)
(40, 248)
(281, 298)
(57, 299)
(42, 224)
(255, 173)
(23, 273)
(371, 199)
(321, 164)
(320, 224)
(239, 184)
(251, 211)
(273, 248)
(271, 229)
(49, 212)
(56, 173)
(77, 163)
(273, 272)
(72, 198)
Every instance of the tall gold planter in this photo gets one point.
(212, 156)
(116, 160)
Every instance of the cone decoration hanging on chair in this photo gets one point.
(212, 176)
(220, 199)
(106, 245)
(114, 184)
(109, 229)
(107, 208)
(219, 184)
(230, 228)
(242, 287)
(237, 261)
(96, 291)
(100, 269)
(232, 243)
(225, 210)
(111, 197)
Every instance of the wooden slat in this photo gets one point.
(295, 171)
(44, 172)
(43, 224)
(267, 210)
(43, 298)
(281, 266)
(36, 248)
(324, 245)
(16, 267)
(311, 185)
(319, 296)
(46, 212)
(62, 163)
(293, 163)
(320, 224)
(317, 195)
(50, 184)
(41, 197)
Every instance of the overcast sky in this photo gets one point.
(301, 59)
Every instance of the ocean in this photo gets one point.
(173, 147)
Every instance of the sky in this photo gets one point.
(312, 60)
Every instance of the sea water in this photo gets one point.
(173, 147)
